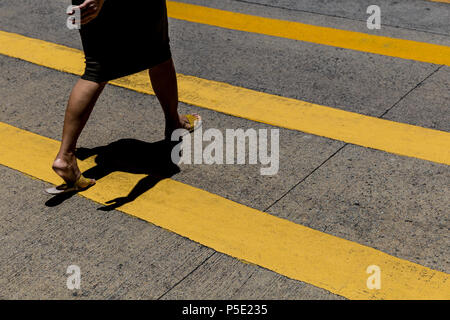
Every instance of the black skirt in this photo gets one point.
(126, 37)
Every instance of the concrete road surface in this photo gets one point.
(398, 205)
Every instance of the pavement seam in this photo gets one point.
(337, 16)
(307, 176)
(346, 144)
(243, 284)
(411, 90)
(186, 276)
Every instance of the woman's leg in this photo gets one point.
(81, 102)
(164, 83)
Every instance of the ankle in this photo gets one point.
(65, 158)
(66, 154)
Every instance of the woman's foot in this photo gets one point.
(188, 122)
(67, 168)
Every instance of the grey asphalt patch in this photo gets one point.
(41, 19)
(395, 204)
(428, 105)
(222, 277)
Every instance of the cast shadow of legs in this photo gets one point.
(127, 155)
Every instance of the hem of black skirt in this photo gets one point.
(98, 78)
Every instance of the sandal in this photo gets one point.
(195, 122)
(80, 185)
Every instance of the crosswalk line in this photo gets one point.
(389, 136)
(399, 48)
(293, 250)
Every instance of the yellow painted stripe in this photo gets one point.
(295, 251)
(389, 136)
(444, 1)
(399, 48)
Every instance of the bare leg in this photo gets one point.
(164, 83)
(81, 102)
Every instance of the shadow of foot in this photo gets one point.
(60, 198)
(131, 156)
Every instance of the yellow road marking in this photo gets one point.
(389, 136)
(399, 48)
(295, 251)
(444, 1)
